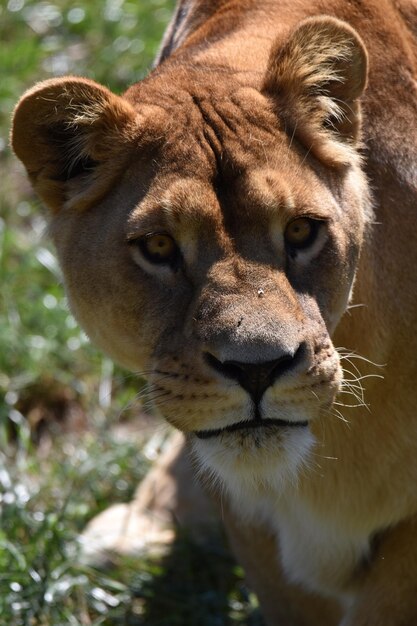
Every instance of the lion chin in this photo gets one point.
(257, 453)
(265, 459)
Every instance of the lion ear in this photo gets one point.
(73, 136)
(315, 81)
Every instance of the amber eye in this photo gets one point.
(159, 248)
(301, 232)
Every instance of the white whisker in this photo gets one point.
(353, 355)
(355, 306)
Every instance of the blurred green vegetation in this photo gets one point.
(45, 502)
(62, 459)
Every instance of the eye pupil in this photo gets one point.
(301, 232)
(159, 244)
(159, 248)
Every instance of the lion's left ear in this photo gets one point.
(74, 137)
(315, 80)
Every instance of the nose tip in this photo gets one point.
(255, 378)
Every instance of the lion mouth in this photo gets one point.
(254, 424)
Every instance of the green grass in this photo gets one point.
(45, 503)
(46, 500)
(52, 380)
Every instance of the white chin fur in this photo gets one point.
(252, 468)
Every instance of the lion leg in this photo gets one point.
(168, 498)
(282, 604)
(388, 591)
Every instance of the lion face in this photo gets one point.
(214, 256)
(221, 281)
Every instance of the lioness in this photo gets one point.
(210, 224)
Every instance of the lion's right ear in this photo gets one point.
(73, 136)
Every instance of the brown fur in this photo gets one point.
(255, 116)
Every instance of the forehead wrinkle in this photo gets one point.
(189, 202)
(171, 203)
(268, 190)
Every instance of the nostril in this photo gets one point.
(255, 378)
(287, 362)
(230, 369)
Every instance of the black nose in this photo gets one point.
(255, 378)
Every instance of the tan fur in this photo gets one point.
(256, 115)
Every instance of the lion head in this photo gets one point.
(209, 232)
